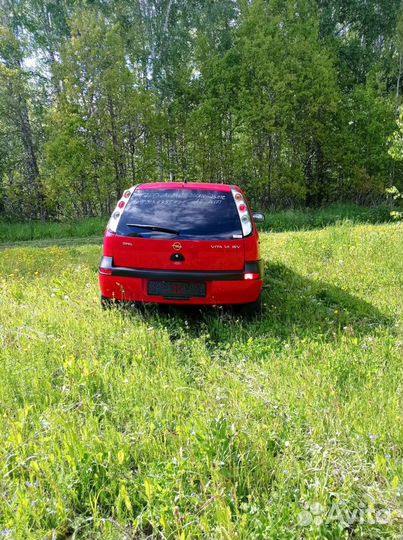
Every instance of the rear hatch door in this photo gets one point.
(180, 229)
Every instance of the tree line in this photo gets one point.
(294, 100)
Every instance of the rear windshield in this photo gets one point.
(182, 213)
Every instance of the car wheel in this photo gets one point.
(252, 309)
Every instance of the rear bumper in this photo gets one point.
(129, 284)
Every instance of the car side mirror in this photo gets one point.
(258, 217)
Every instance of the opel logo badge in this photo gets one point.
(177, 246)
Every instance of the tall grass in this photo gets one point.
(184, 424)
(294, 220)
(38, 230)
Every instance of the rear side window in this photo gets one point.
(181, 213)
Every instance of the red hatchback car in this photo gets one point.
(182, 243)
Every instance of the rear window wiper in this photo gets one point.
(153, 228)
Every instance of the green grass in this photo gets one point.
(289, 220)
(294, 220)
(182, 424)
(38, 230)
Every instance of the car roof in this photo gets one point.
(187, 185)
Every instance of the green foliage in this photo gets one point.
(396, 140)
(288, 96)
(19, 189)
(294, 101)
(396, 151)
(184, 424)
(397, 197)
(363, 145)
(94, 127)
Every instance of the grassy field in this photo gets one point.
(183, 424)
(287, 220)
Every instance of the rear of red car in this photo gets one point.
(181, 244)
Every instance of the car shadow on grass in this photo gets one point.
(293, 306)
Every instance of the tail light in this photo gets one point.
(253, 270)
(244, 215)
(105, 266)
(119, 209)
(251, 275)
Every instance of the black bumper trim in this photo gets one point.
(177, 275)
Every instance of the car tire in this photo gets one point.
(252, 309)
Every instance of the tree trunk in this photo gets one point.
(32, 171)
(119, 167)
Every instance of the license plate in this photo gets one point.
(177, 289)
